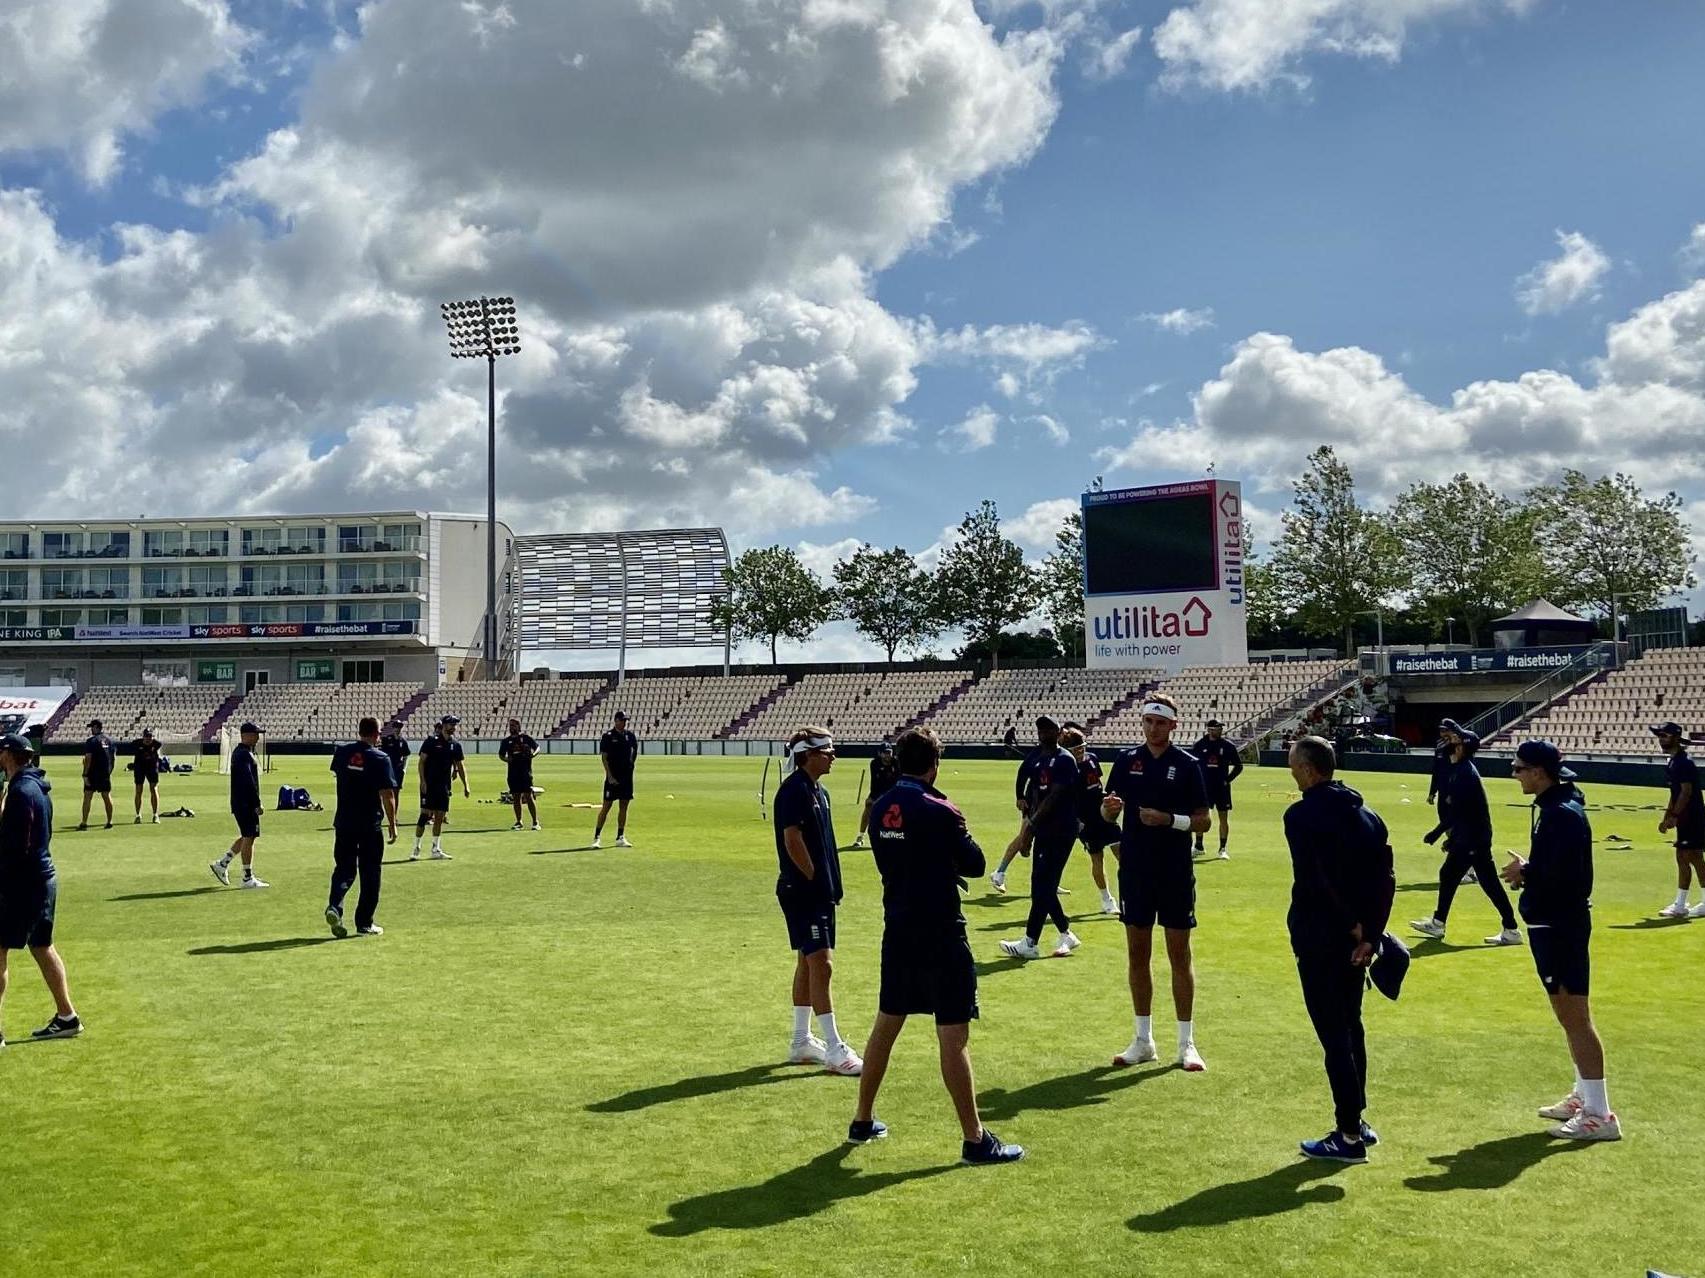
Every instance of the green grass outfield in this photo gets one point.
(566, 1061)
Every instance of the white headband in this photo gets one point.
(1160, 710)
(812, 743)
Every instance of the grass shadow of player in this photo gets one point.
(994, 900)
(1095, 1086)
(1283, 1189)
(1491, 1164)
(1646, 925)
(989, 967)
(1427, 947)
(702, 1085)
(265, 947)
(165, 896)
(787, 1196)
(584, 847)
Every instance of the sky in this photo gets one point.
(833, 271)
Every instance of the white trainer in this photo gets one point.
(220, 871)
(1467, 879)
(622, 841)
(843, 1060)
(809, 1050)
(1140, 1052)
(1697, 912)
(516, 826)
(255, 881)
(997, 881)
(1023, 948)
(1190, 1060)
(1585, 1126)
(155, 819)
(1429, 927)
(859, 841)
(1673, 910)
(537, 826)
(1067, 943)
(415, 855)
(1509, 936)
(1108, 904)
(1564, 1109)
(439, 854)
(597, 840)
(1224, 855)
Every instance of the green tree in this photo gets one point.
(1469, 552)
(1335, 560)
(771, 595)
(1264, 608)
(888, 598)
(1607, 547)
(1060, 581)
(984, 583)
(1019, 645)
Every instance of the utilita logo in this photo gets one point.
(1149, 622)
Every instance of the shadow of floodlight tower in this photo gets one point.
(484, 328)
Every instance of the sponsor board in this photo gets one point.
(25, 708)
(217, 630)
(1484, 661)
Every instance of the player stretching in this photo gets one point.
(1686, 816)
(245, 810)
(884, 775)
(98, 761)
(809, 888)
(440, 762)
(922, 850)
(1095, 831)
(517, 750)
(1556, 883)
(1160, 790)
(1221, 765)
(618, 749)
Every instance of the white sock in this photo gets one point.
(437, 845)
(1145, 1027)
(225, 860)
(831, 1036)
(1595, 1100)
(1576, 1089)
(1186, 1033)
(1065, 932)
(801, 1023)
(417, 839)
(1681, 897)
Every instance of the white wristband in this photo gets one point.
(1181, 822)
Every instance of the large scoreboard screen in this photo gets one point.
(1157, 543)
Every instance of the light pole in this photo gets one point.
(1450, 632)
(484, 328)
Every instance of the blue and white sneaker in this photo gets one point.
(334, 920)
(862, 1133)
(989, 1150)
(1334, 1148)
(60, 1027)
(1370, 1137)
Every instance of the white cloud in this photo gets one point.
(1181, 319)
(1054, 429)
(1693, 252)
(82, 74)
(821, 559)
(1107, 58)
(1035, 528)
(1574, 275)
(977, 431)
(1252, 44)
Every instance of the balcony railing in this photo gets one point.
(377, 545)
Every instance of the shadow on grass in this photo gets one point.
(1491, 1164)
(703, 1085)
(265, 947)
(1646, 925)
(988, 967)
(164, 896)
(584, 847)
(790, 1195)
(1426, 947)
(994, 900)
(1094, 1086)
(1283, 1189)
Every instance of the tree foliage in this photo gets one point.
(1607, 547)
(888, 598)
(772, 595)
(1060, 583)
(984, 583)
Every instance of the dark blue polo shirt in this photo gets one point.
(26, 834)
(620, 748)
(1172, 783)
(102, 756)
(1220, 762)
(1679, 771)
(439, 756)
(245, 780)
(922, 850)
(800, 803)
(1053, 770)
(362, 772)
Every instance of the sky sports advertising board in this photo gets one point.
(217, 630)
(1163, 577)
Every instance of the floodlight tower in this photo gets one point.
(484, 328)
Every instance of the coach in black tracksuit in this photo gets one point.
(1465, 821)
(1341, 897)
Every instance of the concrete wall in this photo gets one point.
(456, 591)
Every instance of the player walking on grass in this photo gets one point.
(1556, 883)
(98, 763)
(922, 850)
(884, 774)
(808, 888)
(1221, 765)
(517, 750)
(1095, 831)
(1050, 828)
(366, 801)
(1465, 821)
(245, 810)
(618, 749)
(1342, 887)
(1160, 790)
(1686, 816)
(440, 764)
(145, 766)
(1047, 742)
(29, 888)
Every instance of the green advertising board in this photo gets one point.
(216, 672)
(315, 671)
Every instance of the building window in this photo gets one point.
(208, 582)
(305, 579)
(14, 584)
(11, 676)
(62, 545)
(163, 543)
(403, 610)
(400, 537)
(14, 545)
(162, 616)
(162, 583)
(356, 537)
(364, 671)
(109, 616)
(304, 612)
(262, 541)
(109, 545)
(61, 616)
(209, 543)
(305, 540)
(212, 614)
(62, 583)
(110, 583)
(14, 617)
(165, 674)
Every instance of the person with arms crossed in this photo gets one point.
(618, 750)
(808, 888)
(245, 809)
(1556, 883)
(884, 775)
(1160, 790)
(29, 887)
(1221, 765)
(517, 750)
(1047, 742)
(1685, 814)
(923, 850)
(1465, 820)
(440, 763)
(145, 766)
(1050, 828)
(366, 804)
(98, 762)
(1342, 887)
(1095, 831)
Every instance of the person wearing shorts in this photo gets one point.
(618, 751)
(1160, 791)
(145, 766)
(29, 887)
(1556, 884)
(245, 810)
(923, 851)
(1221, 765)
(1685, 814)
(440, 764)
(517, 751)
(808, 888)
(98, 762)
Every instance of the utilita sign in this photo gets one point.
(1164, 582)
